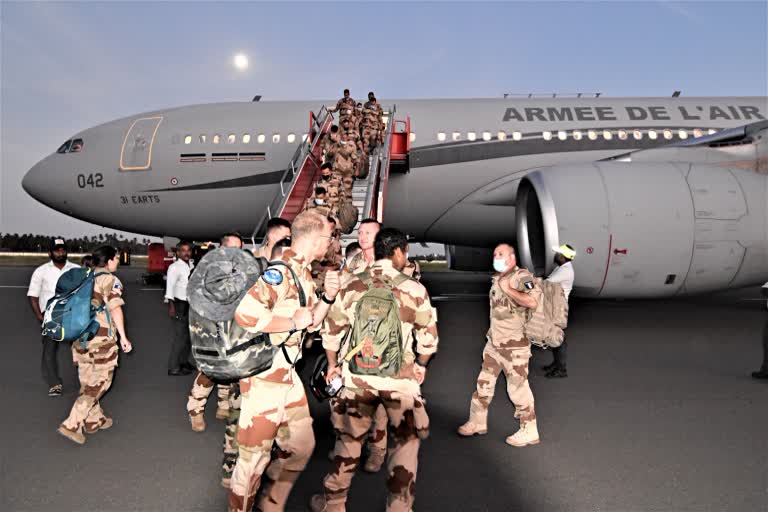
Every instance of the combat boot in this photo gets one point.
(375, 460)
(73, 435)
(198, 423)
(317, 503)
(528, 434)
(471, 428)
(104, 425)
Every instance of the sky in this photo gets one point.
(67, 66)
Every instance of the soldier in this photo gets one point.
(274, 406)
(331, 260)
(373, 123)
(277, 229)
(97, 359)
(366, 234)
(203, 385)
(513, 292)
(345, 163)
(413, 269)
(330, 144)
(334, 188)
(352, 250)
(318, 200)
(345, 106)
(398, 390)
(358, 119)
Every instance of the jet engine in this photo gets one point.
(646, 229)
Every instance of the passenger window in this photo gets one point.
(456, 136)
(64, 147)
(261, 138)
(576, 134)
(517, 136)
(502, 135)
(592, 135)
(187, 139)
(486, 136)
(622, 134)
(668, 134)
(412, 136)
(246, 138)
(202, 138)
(231, 138)
(562, 135)
(291, 138)
(77, 146)
(471, 136)
(682, 134)
(653, 135)
(607, 134)
(637, 134)
(697, 132)
(441, 136)
(546, 135)
(275, 138)
(711, 131)
(216, 138)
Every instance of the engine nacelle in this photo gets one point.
(646, 230)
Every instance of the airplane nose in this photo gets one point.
(34, 181)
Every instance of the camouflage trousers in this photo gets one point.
(512, 359)
(95, 367)
(201, 390)
(352, 416)
(377, 434)
(270, 413)
(230, 433)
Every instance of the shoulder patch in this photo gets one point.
(272, 276)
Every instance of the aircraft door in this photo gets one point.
(136, 153)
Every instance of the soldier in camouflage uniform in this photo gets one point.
(318, 200)
(277, 229)
(373, 123)
(96, 362)
(345, 162)
(330, 144)
(413, 270)
(330, 261)
(356, 403)
(345, 106)
(514, 292)
(334, 187)
(274, 406)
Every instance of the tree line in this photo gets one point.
(42, 243)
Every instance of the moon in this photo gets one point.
(241, 62)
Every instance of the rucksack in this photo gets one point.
(545, 325)
(69, 315)
(375, 342)
(222, 349)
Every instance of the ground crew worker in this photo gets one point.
(96, 361)
(42, 287)
(345, 106)
(762, 373)
(513, 292)
(400, 394)
(203, 385)
(277, 229)
(178, 310)
(562, 274)
(274, 406)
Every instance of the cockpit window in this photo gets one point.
(77, 146)
(64, 147)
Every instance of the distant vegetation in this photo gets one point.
(42, 243)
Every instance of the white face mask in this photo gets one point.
(499, 266)
(319, 201)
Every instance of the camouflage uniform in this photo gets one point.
(345, 164)
(507, 350)
(345, 108)
(355, 406)
(201, 390)
(330, 146)
(273, 403)
(331, 261)
(96, 363)
(373, 124)
(230, 435)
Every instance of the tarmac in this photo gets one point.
(659, 413)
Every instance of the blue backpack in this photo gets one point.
(69, 315)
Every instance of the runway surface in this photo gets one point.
(659, 414)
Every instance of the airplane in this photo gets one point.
(660, 196)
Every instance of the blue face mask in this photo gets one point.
(499, 266)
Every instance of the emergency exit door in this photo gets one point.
(136, 153)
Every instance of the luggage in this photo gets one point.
(544, 327)
(69, 315)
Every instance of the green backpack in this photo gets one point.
(376, 340)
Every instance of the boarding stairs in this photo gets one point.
(368, 195)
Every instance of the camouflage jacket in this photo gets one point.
(413, 270)
(345, 107)
(507, 318)
(417, 317)
(373, 115)
(271, 297)
(107, 290)
(357, 264)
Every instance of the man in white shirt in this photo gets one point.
(42, 287)
(178, 309)
(562, 274)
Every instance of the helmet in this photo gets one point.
(317, 384)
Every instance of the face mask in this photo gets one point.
(319, 201)
(326, 177)
(499, 266)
